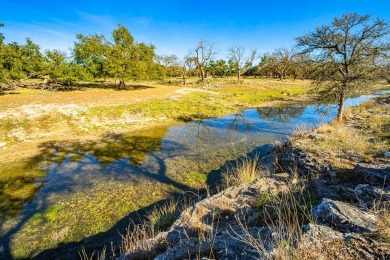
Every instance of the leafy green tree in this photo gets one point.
(347, 51)
(32, 59)
(90, 52)
(1, 35)
(10, 63)
(127, 60)
(62, 71)
(19, 61)
(218, 68)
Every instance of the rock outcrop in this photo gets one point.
(344, 217)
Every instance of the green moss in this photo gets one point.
(193, 179)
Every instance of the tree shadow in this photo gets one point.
(38, 204)
(113, 153)
(113, 235)
(3, 93)
(104, 85)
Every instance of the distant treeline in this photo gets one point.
(96, 57)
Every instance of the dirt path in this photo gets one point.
(85, 97)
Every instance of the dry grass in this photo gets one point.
(381, 208)
(384, 225)
(161, 217)
(285, 214)
(363, 136)
(99, 255)
(137, 242)
(246, 171)
(302, 129)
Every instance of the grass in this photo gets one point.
(284, 213)
(246, 171)
(384, 225)
(161, 217)
(364, 136)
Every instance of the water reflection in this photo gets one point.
(281, 113)
(240, 119)
(16, 192)
(107, 150)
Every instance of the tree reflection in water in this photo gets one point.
(244, 121)
(282, 113)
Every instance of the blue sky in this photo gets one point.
(176, 26)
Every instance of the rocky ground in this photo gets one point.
(301, 206)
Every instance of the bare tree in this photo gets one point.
(347, 51)
(202, 54)
(282, 61)
(241, 63)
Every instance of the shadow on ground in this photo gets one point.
(113, 237)
(103, 85)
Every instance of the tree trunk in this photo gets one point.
(202, 74)
(184, 78)
(122, 84)
(238, 75)
(341, 108)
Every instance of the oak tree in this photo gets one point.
(346, 52)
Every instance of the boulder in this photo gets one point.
(227, 244)
(321, 242)
(370, 196)
(344, 217)
(374, 174)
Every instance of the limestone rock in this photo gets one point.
(370, 196)
(344, 217)
(374, 174)
(321, 242)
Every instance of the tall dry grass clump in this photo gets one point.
(381, 208)
(246, 171)
(138, 242)
(161, 217)
(284, 214)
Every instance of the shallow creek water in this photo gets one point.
(88, 187)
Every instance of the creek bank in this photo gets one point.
(343, 217)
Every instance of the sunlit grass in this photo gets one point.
(363, 135)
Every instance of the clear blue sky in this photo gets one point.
(176, 26)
